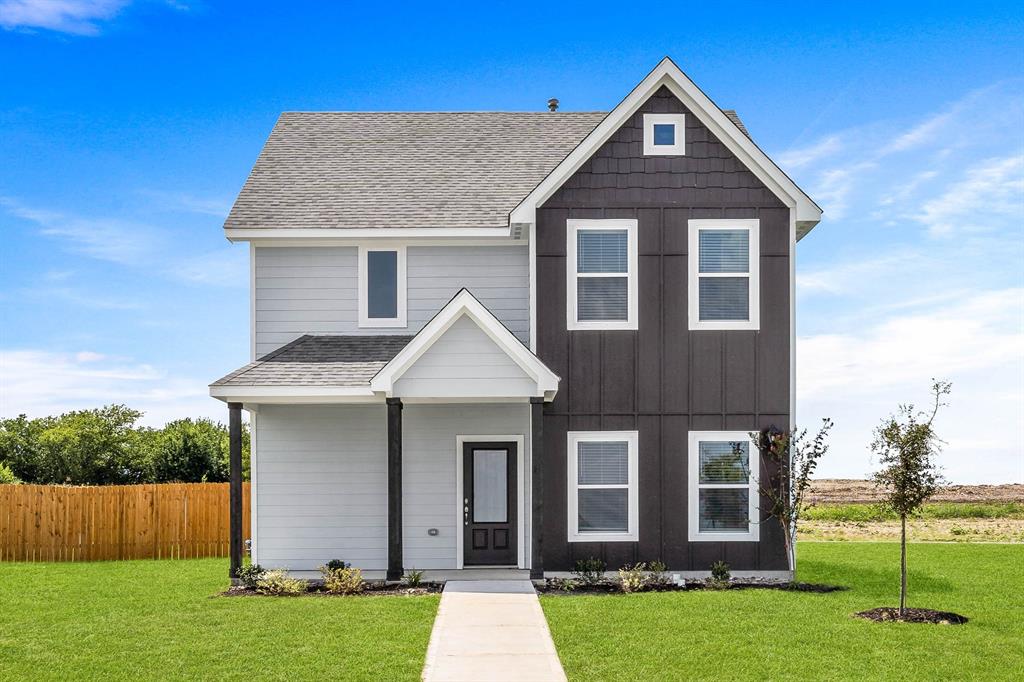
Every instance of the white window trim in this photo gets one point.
(633, 500)
(694, 485)
(693, 274)
(571, 274)
(365, 321)
(677, 149)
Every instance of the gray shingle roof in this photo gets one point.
(735, 118)
(403, 169)
(320, 361)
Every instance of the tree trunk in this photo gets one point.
(903, 564)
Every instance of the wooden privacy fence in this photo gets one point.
(94, 523)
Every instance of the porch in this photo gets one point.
(407, 453)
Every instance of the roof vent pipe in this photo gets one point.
(552, 104)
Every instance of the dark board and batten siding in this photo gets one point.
(663, 379)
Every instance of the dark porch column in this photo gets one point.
(235, 485)
(537, 488)
(395, 570)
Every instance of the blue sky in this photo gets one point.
(126, 128)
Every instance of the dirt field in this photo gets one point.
(846, 490)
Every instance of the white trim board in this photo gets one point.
(667, 74)
(521, 513)
(236, 234)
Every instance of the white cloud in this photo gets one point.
(859, 376)
(987, 193)
(132, 244)
(800, 157)
(77, 17)
(40, 383)
(188, 203)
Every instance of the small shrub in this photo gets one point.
(336, 564)
(277, 583)
(6, 475)
(720, 576)
(345, 580)
(250, 574)
(590, 571)
(414, 578)
(634, 578)
(958, 530)
(657, 573)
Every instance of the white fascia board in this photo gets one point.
(248, 234)
(669, 75)
(295, 394)
(464, 303)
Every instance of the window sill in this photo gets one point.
(725, 325)
(603, 537)
(603, 326)
(751, 536)
(383, 324)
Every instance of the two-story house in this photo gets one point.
(516, 339)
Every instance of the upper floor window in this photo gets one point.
(603, 495)
(723, 492)
(664, 134)
(723, 274)
(382, 287)
(601, 265)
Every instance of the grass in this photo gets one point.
(159, 619)
(769, 634)
(934, 510)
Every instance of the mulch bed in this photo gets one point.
(372, 589)
(885, 614)
(554, 587)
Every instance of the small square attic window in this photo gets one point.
(664, 134)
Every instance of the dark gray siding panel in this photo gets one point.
(661, 380)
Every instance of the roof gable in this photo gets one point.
(464, 306)
(721, 125)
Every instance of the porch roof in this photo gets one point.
(320, 361)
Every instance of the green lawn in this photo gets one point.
(932, 510)
(769, 634)
(159, 619)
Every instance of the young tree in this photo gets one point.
(789, 461)
(906, 446)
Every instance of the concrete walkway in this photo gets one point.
(491, 630)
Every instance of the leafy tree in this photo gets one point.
(789, 461)
(192, 451)
(19, 446)
(107, 446)
(906, 446)
(6, 475)
(99, 447)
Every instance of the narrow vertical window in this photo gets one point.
(603, 500)
(723, 274)
(601, 270)
(723, 471)
(382, 287)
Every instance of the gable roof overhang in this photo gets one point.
(667, 74)
(464, 304)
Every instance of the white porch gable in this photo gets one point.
(464, 352)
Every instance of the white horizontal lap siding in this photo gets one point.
(464, 362)
(428, 472)
(322, 486)
(314, 290)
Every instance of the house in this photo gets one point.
(516, 339)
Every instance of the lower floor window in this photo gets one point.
(723, 492)
(602, 486)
